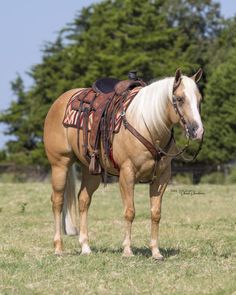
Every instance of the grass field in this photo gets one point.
(197, 239)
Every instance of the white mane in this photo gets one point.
(149, 107)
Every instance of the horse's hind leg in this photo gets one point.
(59, 174)
(89, 184)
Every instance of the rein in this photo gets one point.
(182, 151)
(157, 153)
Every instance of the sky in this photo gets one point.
(26, 25)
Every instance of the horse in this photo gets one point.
(153, 112)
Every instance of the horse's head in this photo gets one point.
(186, 100)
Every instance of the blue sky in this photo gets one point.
(26, 25)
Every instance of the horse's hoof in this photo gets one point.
(58, 252)
(158, 257)
(127, 253)
(86, 253)
(86, 250)
(58, 247)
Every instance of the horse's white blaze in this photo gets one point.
(197, 118)
(190, 88)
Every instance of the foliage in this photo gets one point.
(109, 39)
(213, 178)
(231, 177)
(182, 178)
(222, 45)
(220, 113)
(3, 155)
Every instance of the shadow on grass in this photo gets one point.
(168, 252)
(143, 251)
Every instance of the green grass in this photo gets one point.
(197, 238)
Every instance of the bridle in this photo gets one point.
(184, 123)
(177, 110)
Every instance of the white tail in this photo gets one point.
(69, 212)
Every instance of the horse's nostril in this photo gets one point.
(192, 128)
(199, 133)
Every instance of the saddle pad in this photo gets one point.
(73, 119)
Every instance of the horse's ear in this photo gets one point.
(177, 80)
(197, 77)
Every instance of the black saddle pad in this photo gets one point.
(105, 85)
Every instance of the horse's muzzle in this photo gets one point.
(195, 131)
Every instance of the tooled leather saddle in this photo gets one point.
(98, 112)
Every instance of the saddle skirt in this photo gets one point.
(74, 117)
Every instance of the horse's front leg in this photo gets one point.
(126, 181)
(157, 189)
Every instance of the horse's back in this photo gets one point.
(55, 134)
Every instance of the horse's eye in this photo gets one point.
(180, 99)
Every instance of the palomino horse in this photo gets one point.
(153, 112)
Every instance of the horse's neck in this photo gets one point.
(149, 111)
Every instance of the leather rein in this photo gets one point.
(156, 151)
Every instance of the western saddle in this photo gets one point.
(105, 99)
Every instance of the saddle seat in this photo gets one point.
(109, 85)
(105, 85)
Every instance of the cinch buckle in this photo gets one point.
(122, 114)
(124, 119)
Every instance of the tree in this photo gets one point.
(222, 45)
(220, 113)
(109, 39)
